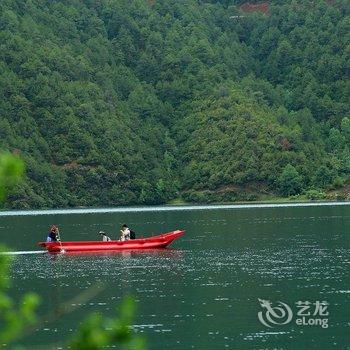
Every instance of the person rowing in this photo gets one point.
(105, 238)
(125, 233)
(53, 235)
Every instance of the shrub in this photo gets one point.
(290, 182)
(315, 194)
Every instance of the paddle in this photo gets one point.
(59, 239)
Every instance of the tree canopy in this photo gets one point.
(133, 102)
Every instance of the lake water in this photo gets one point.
(204, 292)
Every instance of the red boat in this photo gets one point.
(160, 241)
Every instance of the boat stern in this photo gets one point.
(52, 247)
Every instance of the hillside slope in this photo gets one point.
(119, 102)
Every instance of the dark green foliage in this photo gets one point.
(11, 172)
(290, 182)
(315, 194)
(18, 318)
(130, 102)
(98, 332)
(324, 176)
(14, 316)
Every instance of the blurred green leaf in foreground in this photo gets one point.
(18, 319)
(97, 332)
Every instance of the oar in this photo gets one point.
(59, 239)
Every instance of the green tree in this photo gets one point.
(323, 177)
(11, 171)
(345, 128)
(290, 182)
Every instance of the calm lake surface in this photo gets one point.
(204, 292)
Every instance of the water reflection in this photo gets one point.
(203, 294)
(166, 252)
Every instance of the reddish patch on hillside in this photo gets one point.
(71, 165)
(262, 7)
(285, 144)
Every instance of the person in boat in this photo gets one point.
(53, 235)
(105, 238)
(125, 233)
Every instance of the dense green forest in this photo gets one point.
(114, 102)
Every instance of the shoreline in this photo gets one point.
(174, 207)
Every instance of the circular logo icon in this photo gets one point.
(274, 315)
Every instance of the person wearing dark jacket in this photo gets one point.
(127, 233)
(53, 234)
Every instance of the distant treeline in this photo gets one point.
(138, 102)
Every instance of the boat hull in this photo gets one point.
(155, 242)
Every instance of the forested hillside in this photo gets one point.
(115, 102)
